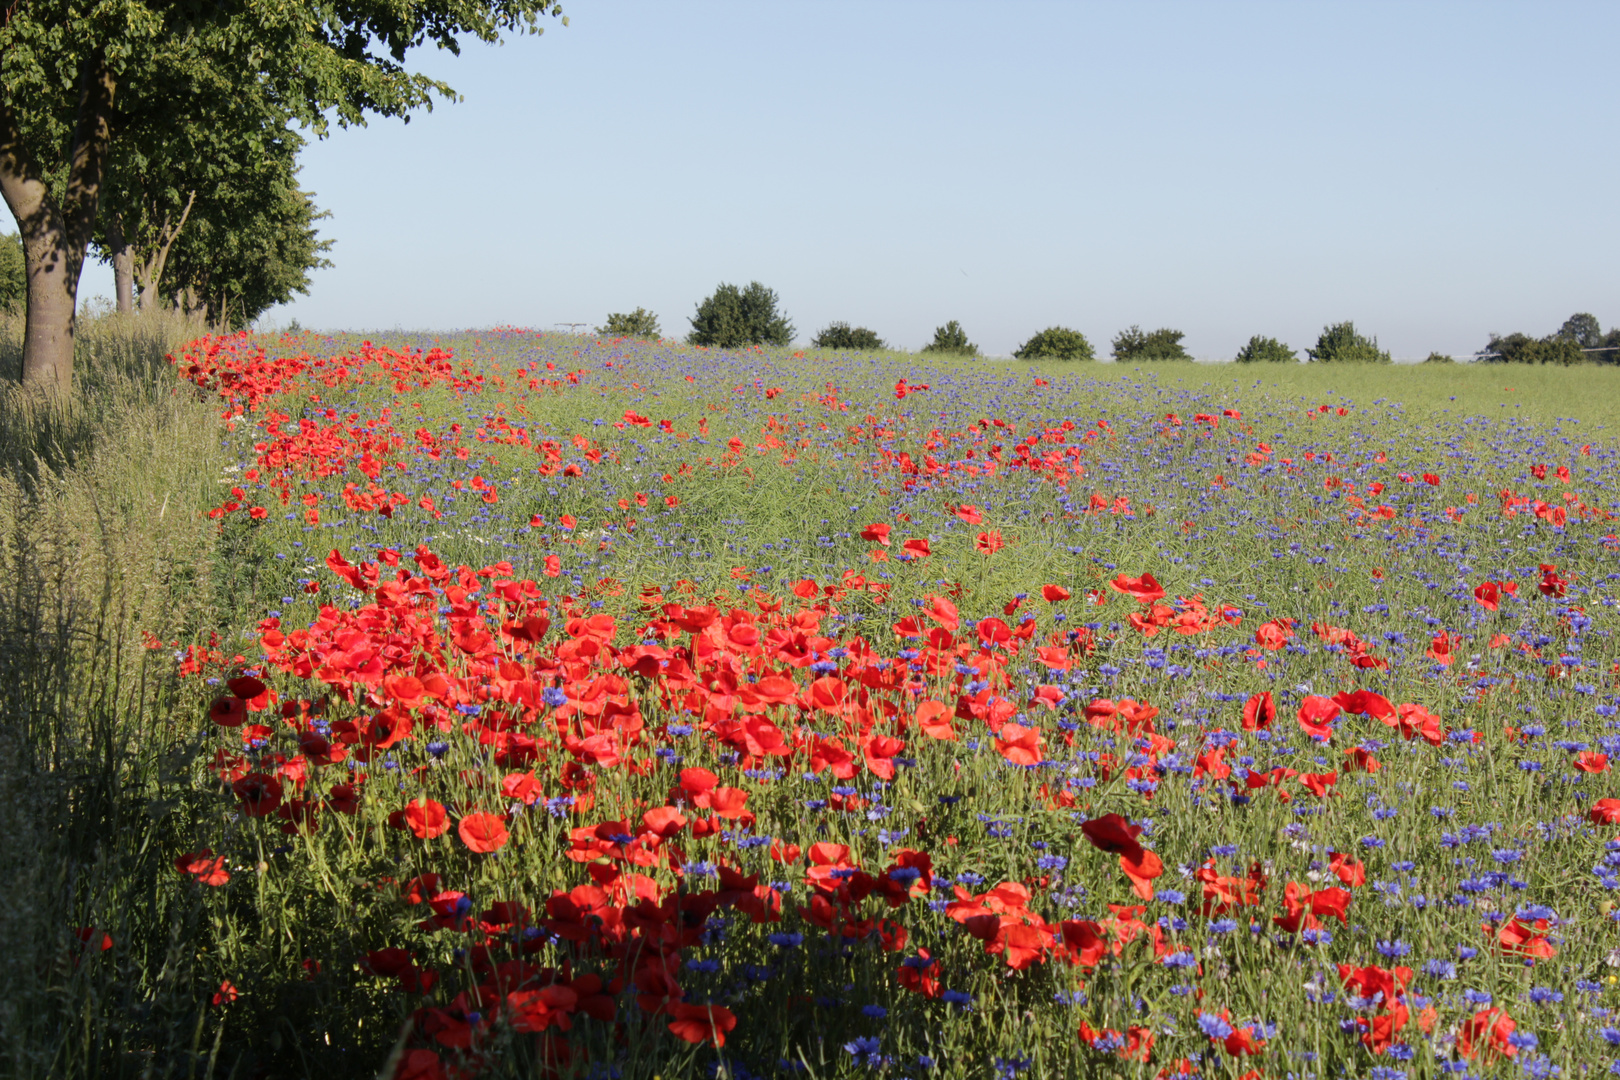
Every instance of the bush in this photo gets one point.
(951, 338)
(1438, 358)
(734, 318)
(13, 276)
(639, 323)
(1266, 350)
(1524, 349)
(1341, 344)
(1057, 343)
(1133, 346)
(841, 335)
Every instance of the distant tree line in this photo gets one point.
(1579, 341)
(732, 318)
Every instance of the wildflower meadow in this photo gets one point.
(579, 707)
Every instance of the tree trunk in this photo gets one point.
(55, 237)
(152, 267)
(123, 260)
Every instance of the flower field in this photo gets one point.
(617, 709)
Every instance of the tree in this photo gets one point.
(1133, 345)
(951, 338)
(639, 323)
(234, 269)
(1266, 350)
(1056, 343)
(734, 318)
(1341, 344)
(213, 215)
(1610, 346)
(840, 335)
(1524, 349)
(1583, 330)
(85, 86)
(1438, 358)
(13, 277)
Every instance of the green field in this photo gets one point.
(941, 912)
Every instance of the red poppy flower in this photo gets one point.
(1318, 783)
(537, 1010)
(523, 787)
(1144, 589)
(1053, 593)
(1259, 712)
(1590, 761)
(228, 711)
(1605, 812)
(205, 866)
(917, 547)
(1487, 1031)
(1366, 703)
(426, 818)
(988, 543)
(483, 833)
(701, 1023)
(943, 612)
(1316, 716)
(969, 513)
(1019, 744)
(877, 533)
(260, 794)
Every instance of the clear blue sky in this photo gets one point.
(1433, 171)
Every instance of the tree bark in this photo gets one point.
(56, 237)
(123, 260)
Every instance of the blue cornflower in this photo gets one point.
(866, 1051)
(959, 998)
(1214, 1026)
(876, 1012)
(554, 696)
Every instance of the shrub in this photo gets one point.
(951, 338)
(1057, 343)
(1133, 346)
(1438, 358)
(734, 318)
(639, 323)
(13, 278)
(841, 335)
(1341, 344)
(1266, 350)
(1524, 349)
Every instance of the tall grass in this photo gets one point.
(100, 543)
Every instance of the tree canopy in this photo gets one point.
(734, 318)
(951, 338)
(88, 92)
(1580, 340)
(639, 323)
(1056, 343)
(1133, 345)
(1266, 350)
(841, 335)
(1341, 343)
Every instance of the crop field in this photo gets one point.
(539, 705)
